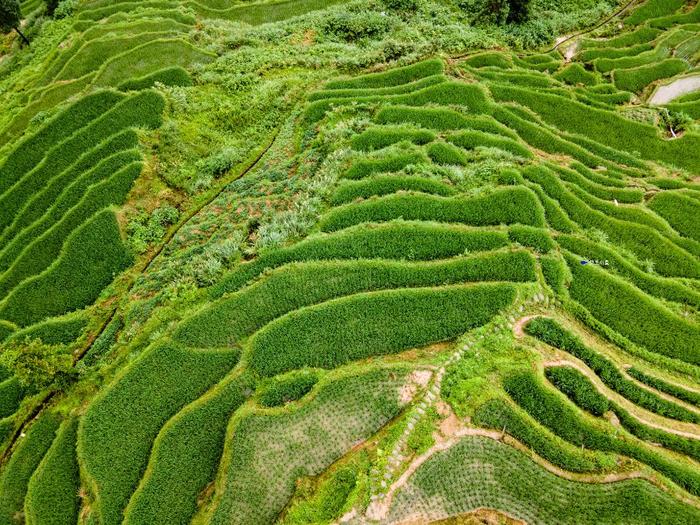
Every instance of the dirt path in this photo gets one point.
(519, 326)
(679, 87)
(611, 394)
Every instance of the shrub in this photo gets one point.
(380, 137)
(578, 388)
(291, 287)
(29, 152)
(390, 163)
(552, 333)
(684, 394)
(575, 74)
(413, 241)
(22, 464)
(557, 414)
(348, 191)
(92, 255)
(185, 456)
(169, 76)
(120, 425)
(475, 139)
(377, 323)
(498, 414)
(392, 77)
(52, 495)
(35, 364)
(504, 206)
(537, 238)
(351, 27)
(636, 79)
(446, 154)
(280, 390)
(680, 211)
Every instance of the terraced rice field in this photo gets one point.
(463, 281)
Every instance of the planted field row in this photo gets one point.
(231, 319)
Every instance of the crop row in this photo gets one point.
(385, 164)
(504, 206)
(348, 191)
(633, 314)
(226, 322)
(117, 432)
(552, 333)
(479, 472)
(557, 413)
(370, 324)
(413, 241)
(90, 258)
(398, 89)
(684, 394)
(577, 387)
(264, 455)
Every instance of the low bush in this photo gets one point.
(552, 333)
(681, 212)
(498, 414)
(29, 152)
(645, 242)
(413, 241)
(169, 76)
(668, 289)
(537, 238)
(348, 191)
(370, 324)
(391, 77)
(380, 137)
(505, 206)
(446, 154)
(141, 110)
(575, 74)
(578, 388)
(475, 139)
(53, 492)
(295, 286)
(120, 425)
(392, 90)
(24, 460)
(280, 390)
(390, 163)
(91, 257)
(636, 79)
(185, 456)
(626, 135)
(684, 394)
(43, 251)
(555, 412)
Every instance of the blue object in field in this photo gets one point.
(584, 262)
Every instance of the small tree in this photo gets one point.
(675, 121)
(35, 363)
(10, 16)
